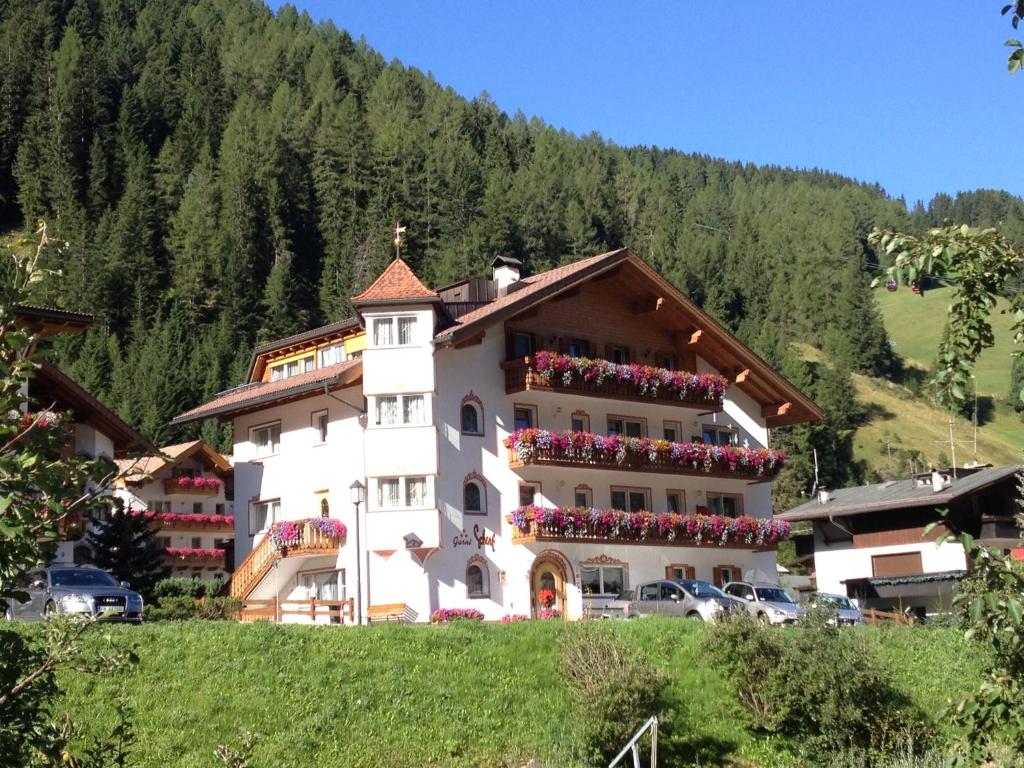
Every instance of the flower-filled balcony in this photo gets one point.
(195, 555)
(193, 486)
(314, 536)
(640, 454)
(188, 521)
(613, 526)
(552, 372)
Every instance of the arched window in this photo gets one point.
(472, 497)
(472, 415)
(477, 580)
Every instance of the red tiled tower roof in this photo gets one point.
(396, 283)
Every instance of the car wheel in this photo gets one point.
(694, 615)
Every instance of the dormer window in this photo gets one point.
(394, 331)
(332, 355)
(291, 368)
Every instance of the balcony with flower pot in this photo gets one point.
(188, 521)
(541, 447)
(532, 524)
(188, 485)
(195, 557)
(594, 377)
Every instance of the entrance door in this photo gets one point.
(548, 586)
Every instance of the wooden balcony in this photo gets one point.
(312, 543)
(173, 487)
(539, 536)
(521, 375)
(761, 465)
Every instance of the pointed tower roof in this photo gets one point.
(396, 284)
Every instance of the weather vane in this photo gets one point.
(399, 231)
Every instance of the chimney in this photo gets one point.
(937, 481)
(506, 273)
(824, 497)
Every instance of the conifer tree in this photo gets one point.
(125, 545)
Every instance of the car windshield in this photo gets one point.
(773, 595)
(81, 577)
(701, 589)
(836, 601)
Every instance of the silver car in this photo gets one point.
(684, 597)
(75, 589)
(770, 603)
(847, 614)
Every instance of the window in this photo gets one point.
(219, 509)
(525, 416)
(415, 491)
(713, 435)
(388, 492)
(393, 410)
(602, 579)
(618, 355)
(332, 355)
(292, 368)
(163, 541)
(680, 572)
(324, 585)
(673, 431)
(197, 542)
(626, 426)
(267, 439)
(159, 506)
(675, 501)
(650, 592)
(262, 514)
(528, 493)
(583, 496)
(473, 498)
(197, 508)
(383, 332)
(578, 348)
(471, 419)
(406, 330)
(725, 504)
(723, 574)
(477, 581)
(320, 426)
(580, 421)
(521, 344)
(631, 499)
(899, 564)
(667, 361)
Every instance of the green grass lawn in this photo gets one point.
(458, 695)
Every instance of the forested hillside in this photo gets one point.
(223, 175)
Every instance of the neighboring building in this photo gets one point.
(415, 398)
(869, 541)
(186, 492)
(98, 431)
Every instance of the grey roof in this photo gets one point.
(895, 494)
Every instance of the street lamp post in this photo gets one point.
(357, 493)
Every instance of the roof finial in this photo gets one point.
(399, 231)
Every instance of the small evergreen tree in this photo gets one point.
(126, 546)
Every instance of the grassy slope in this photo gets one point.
(898, 420)
(478, 695)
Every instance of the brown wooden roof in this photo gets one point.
(148, 467)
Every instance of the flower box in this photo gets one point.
(194, 554)
(311, 533)
(534, 523)
(447, 615)
(641, 454)
(188, 520)
(193, 486)
(620, 381)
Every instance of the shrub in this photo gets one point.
(182, 587)
(613, 686)
(184, 607)
(819, 685)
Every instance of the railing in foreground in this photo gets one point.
(872, 616)
(633, 745)
(275, 610)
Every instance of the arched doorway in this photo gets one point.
(547, 585)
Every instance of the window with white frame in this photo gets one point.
(626, 426)
(580, 421)
(320, 426)
(263, 514)
(602, 579)
(725, 504)
(406, 330)
(266, 439)
(583, 496)
(383, 332)
(673, 431)
(715, 435)
(291, 368)
(397, 410)
(675, 501)
(631, 499)
(401, 492)
(332, 355)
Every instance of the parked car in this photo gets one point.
(770, 603)
(847, 614)
(685, 597)
(75, 589)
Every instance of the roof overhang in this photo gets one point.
(50, 321)
(299, 341)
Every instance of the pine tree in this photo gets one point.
(126, 546)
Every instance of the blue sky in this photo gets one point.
(912, 95)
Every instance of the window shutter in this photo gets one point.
(717, 571)
(691, 572)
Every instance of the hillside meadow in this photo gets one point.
(457, 695)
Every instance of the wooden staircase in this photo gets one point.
(258, 563)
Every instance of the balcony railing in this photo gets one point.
(640, 454)
(187, 521)
(612, 526)
(550, 372)
(289, 538)
(192, 486)
(195, 556)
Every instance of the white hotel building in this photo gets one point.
(414, 399)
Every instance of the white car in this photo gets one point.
(770, 603)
